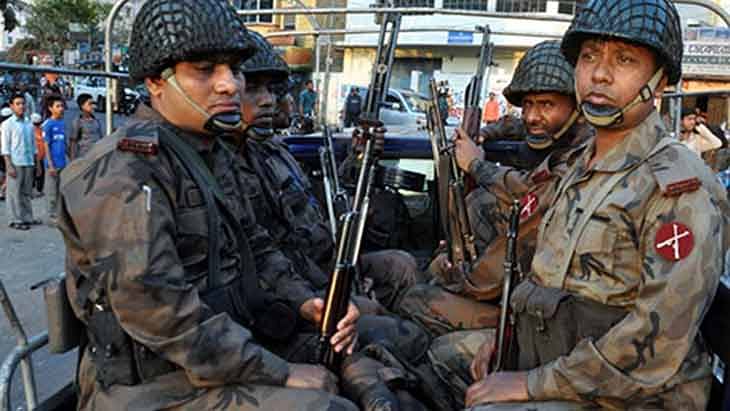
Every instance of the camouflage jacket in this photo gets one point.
(535, 190)
(654, 246)
(282, 199)
(136, 221)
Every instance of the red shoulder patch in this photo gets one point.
(136, 146)
(541, 176)
(674, 241)
(684, 186)
(528, 206)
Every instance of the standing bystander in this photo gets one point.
(5, 114)
(308, 100)
(353, 107)
(18, 150)
(491, 109)
(54, 132)
(40, 154)
(85, 130)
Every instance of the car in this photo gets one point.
(96, 87)
(405, 108)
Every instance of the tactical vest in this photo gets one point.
(117, 358)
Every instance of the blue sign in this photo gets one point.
(461, 37)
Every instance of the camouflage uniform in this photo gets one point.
(296, 222)
(133, 219)
(279, 195)
(654, 357)
(468, 303)
(465, 304)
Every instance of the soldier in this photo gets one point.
(296, 220)
(630, 251)
(543, 87)
(175, 287)
(282, 200)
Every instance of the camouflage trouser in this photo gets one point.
(403, 336)
(481, 205)
(263, 397)
(441, 311)
(391, 272)
(533, 406)
(451, 356)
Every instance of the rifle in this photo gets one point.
(472, 110)
(513, 153)
(353, 222)
(452, 204)
(335, 196)
(504, 335)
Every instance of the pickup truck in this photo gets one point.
(96, 87)
(407, 151)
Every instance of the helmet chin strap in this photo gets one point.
(260, 133)
(225, 122)
(543, 141)
(605, 117)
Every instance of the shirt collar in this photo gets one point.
(633, 149)
(203, 144)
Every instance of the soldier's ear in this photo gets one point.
(154, 85)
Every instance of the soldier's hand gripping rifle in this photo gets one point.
(473, 94)
(505, 332)
(452, 203)
(353, 222)
(335, 196)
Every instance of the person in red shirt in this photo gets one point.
(491, 110)
(40, 154)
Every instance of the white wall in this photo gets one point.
(554, 29)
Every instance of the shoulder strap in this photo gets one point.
(198, 170)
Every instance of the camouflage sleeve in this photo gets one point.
(274, 269)
(125, 222)
(499, 179)
(656, 341)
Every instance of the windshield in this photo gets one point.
(416, 102)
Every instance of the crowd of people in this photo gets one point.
(36, 147)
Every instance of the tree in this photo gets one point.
(17, 53)
(50, 21)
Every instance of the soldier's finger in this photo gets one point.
(343, 338)
(477, 394)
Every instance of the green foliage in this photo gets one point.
(17, 53)
(49, 21)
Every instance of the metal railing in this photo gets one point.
(21, 354)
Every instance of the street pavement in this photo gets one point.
(26, 258)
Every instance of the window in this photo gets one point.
(569, 7)
(521, 6)
(413, 3)
(466, 4)
(255, 5)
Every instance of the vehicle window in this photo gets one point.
(393, 99)
(416, 103)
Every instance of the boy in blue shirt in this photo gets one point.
(54, 134)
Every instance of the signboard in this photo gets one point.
(706, 52)
(461, 37)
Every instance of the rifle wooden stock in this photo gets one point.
(452, 202)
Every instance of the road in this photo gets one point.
(27, 257)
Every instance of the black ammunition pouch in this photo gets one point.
(116, 357)
(550, 322)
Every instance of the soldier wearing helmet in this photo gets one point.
(543, 86)
(282, 199)
(175, 286)
(631, 250)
